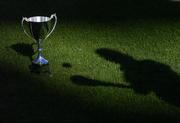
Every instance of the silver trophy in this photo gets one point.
(39, 28)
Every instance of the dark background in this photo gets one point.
(83, 9)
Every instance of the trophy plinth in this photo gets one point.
(39, 28)
(40, 61)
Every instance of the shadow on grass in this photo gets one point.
(67, 65)
(26, 98)
(24, 49)
(83, 81)
(143, 76)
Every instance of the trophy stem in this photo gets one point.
(40, 60)
(40, 48)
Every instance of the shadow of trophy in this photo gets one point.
(36, 69)
(39, 28)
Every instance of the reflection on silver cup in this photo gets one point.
(39, 28)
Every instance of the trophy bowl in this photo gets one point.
(39, 28)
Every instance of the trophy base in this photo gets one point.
(40, 61)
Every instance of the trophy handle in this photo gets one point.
(22, 24)
(52, 16)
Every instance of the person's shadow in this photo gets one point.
(143, 76)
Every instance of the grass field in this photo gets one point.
(117, 71)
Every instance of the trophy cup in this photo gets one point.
(39, 28)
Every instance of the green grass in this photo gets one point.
(95, 93)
